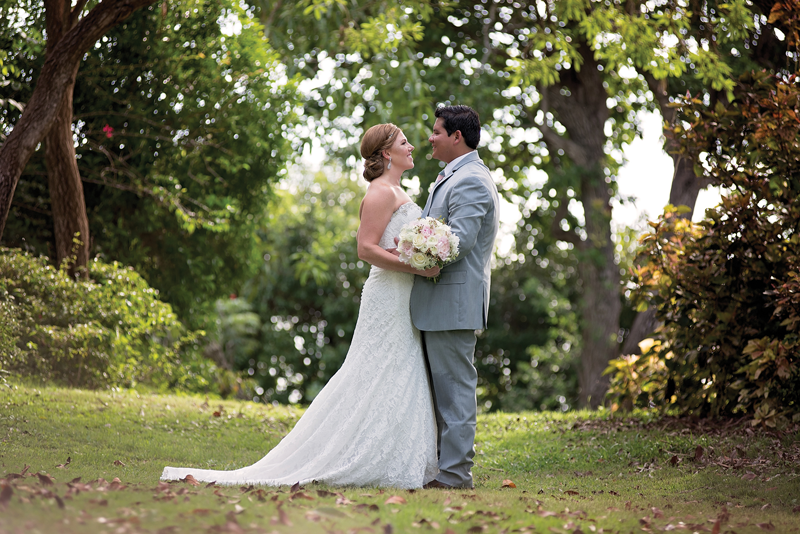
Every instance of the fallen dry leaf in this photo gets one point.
(541, 512)
(5, 496)
(295, 487)
(766, 526)
(283, 517)
(313, 516)
(658, 514)
(698, 453)
(45, 479)
(571, 492)
(674, 460)
(395, 499)
(508, 484)
(65, 464)
(117, 462)
(344, 501)
(189, 479)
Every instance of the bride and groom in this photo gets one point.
(401, 411)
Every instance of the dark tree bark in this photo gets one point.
(583, 112)
(63, 177)
(57, 75)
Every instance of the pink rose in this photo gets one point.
(444, 248)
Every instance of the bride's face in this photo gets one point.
(401, 152)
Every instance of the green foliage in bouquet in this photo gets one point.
(727, 288)
(111, 330)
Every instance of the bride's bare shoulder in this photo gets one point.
(379, 198)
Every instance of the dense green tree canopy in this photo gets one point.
(180, 131)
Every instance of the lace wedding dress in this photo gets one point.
(373, 423)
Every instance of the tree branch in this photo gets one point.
(76, 12)
(659, 90)
(59, 68)
(559, 233)
(556, 141)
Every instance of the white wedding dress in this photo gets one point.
(373, 423)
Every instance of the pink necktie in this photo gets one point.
(439, 178)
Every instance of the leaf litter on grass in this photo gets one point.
(570, 472)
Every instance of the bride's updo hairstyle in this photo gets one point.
(377, 139)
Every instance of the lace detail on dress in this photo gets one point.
(402, 215)
(373, 423)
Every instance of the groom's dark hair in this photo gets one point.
(462, 118)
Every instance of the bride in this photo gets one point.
(373, 423)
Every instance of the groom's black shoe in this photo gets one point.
(435, 484)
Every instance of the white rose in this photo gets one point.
(418, 241)
(419, 261)
(432, 243)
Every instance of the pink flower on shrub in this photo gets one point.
(109, 131)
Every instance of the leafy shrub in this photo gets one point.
(727, 288)
(109, 331)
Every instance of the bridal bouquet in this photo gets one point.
(427, 242)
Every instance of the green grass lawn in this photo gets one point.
(90, 462)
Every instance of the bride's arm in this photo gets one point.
(376, 212)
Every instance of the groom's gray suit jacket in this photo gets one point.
(467, 200)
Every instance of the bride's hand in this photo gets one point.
(429, 273)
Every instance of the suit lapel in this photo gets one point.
(472, 156)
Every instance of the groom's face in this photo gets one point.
(442, 145)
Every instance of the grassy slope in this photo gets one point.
(574, 472)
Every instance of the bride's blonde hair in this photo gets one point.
(377, 139)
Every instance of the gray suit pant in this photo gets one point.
(450, 355)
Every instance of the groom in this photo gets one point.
(448, 313)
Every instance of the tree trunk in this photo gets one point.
(66, 191)
(601, 306)
(582, 110)
(58, 74)
(64, 181)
